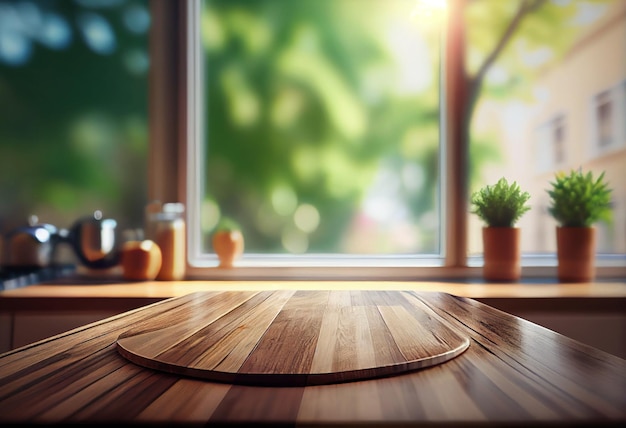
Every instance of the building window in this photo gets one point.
(607, 132)
(604, 112)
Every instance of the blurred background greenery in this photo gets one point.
(73, 110)
(322, 116)
(322, 131)
(323, 126)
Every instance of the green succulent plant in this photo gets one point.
(501, 204)
(579, 200)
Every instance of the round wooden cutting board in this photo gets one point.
(294, 338)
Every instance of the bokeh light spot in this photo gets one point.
(97, 33)
(294, 241)
(306, 218)
(284, 200)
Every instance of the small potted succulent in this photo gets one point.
(577, 202)
(500, 206)
(228, 242)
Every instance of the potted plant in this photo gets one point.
(577, 202)
(228, 242)
(500, 206)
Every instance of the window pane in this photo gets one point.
(322, 125)
(73, 111)
(553, 100)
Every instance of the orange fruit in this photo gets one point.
(140, 260)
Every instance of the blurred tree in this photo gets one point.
(287, 121)
(287, 125)
(508, 44)
(73, 109)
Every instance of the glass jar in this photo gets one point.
(168, 230)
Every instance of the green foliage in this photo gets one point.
(500, 205)
(283, 118)
(227, 224)
(579, 200)
(73, 121)
(487, 21)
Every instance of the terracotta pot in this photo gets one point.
(502, 253)
(228, 245)
(575, 247)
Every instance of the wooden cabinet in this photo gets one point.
(6, 332)
(22, 328)
(600, 323)
(603, 331)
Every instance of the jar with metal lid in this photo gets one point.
(168, 230)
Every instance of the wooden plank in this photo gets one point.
(246, 332)
(183, 324)
(292, 336)
(202, 399)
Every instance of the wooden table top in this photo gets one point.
(513, 372)
(294, 338)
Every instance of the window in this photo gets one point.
(542, 100)
(500, 111)
(604, 119)
(608, 133)
(396, 122)
(322, 130)
(322, 126)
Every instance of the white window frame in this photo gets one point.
(176, 152)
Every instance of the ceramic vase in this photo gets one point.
(228, 245)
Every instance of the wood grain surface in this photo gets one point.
(296, 338)
(514, 373)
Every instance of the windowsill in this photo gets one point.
(537, 268)
(546, 275)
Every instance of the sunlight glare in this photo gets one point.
(429, 9)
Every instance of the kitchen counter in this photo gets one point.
(95, 293)
(513, 372)
(592, 313)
